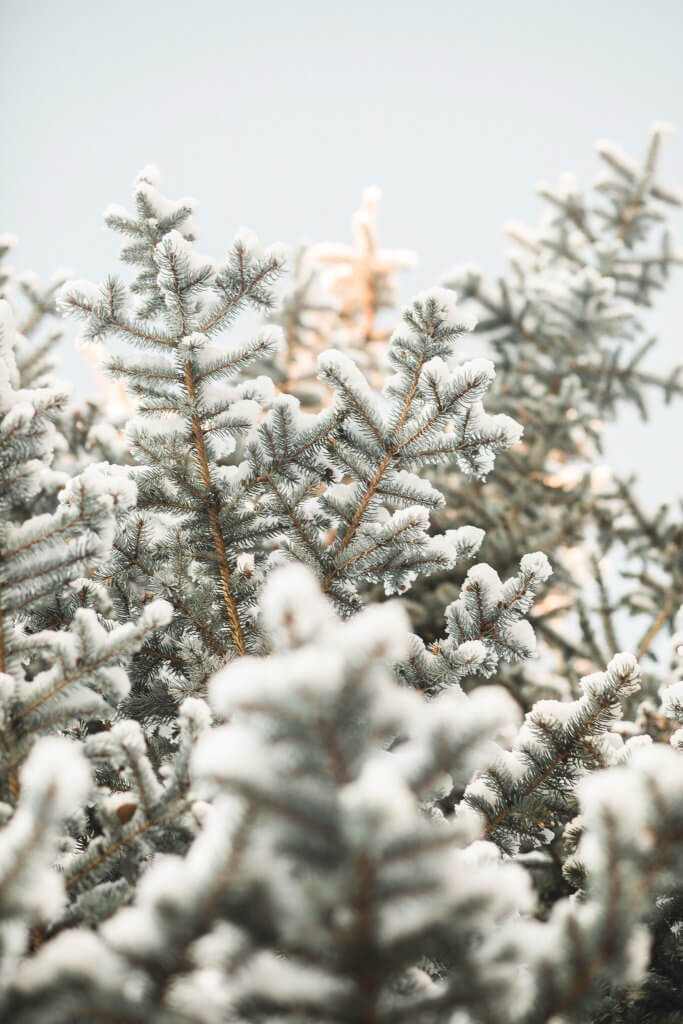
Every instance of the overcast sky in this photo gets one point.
(277, 114)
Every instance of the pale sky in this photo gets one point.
(277, 115)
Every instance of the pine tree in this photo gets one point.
(565, 331)
(234, 472)
(362, 276)
(66, 679)
(307, 314)
(240, 780)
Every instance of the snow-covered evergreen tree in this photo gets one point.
(232, 476)
(240, 779)
(565, 329)
(68, 679)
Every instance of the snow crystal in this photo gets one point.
(442, 547)
(291, 407)
(297, 676)
(437, 372)
(627, 792)
(622, 669)
(660, 763)
(165, 883)
(493, 711)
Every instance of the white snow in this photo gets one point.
(471, 653)
(174, 242)
(272, 336)
(245, 563)
(447, 304)
(230, 753)
(536, 564)
(662, 128)
(510, 429)
(56, 765)
(196, 713)
(247, 240)
(466, 539)
(378, 803)
(157, 614)
(76, 951)
(278, 252)
(117, 211)
(129, 735)
(521, 637)
(169, 426)
(488, 581)
(78, 291)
